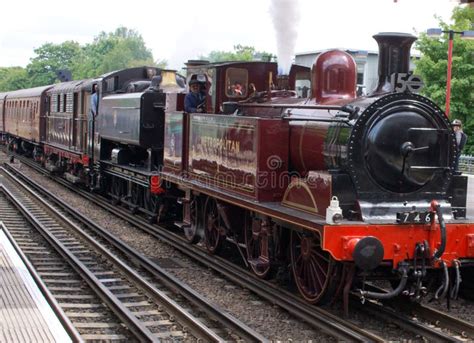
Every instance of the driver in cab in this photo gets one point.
(195, 100)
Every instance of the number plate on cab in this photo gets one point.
(413, 217)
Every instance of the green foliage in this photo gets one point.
(240, 53)
(13, 78)
(50, 58)
(432, 66)
(121, 49)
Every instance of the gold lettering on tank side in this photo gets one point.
(220, 146)
(224, 151)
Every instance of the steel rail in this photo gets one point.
(463, 328)
(314, 316)
(213, 310)
(436, 317)
(133, 323)
(138, 329)
(390, 315)
(58, 311)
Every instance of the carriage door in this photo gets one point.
(87, 127)
(75, 111)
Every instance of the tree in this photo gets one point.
(116, 50)
(240, 53)
(13, 78)
(432, 66)
(123, 48)
(42, 70)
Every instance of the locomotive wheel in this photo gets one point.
(313, 268)
(257, 241)
(213, 226)
(194, 232)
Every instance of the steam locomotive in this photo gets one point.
(339, 188)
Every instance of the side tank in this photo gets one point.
(133, 118)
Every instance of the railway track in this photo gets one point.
(105, 298)
(416, 316)
(314, 316)
(74, 298)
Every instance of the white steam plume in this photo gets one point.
(285, 18)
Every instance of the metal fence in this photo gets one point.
(466, 164)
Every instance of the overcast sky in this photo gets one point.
(180, 29)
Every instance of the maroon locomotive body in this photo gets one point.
(327, 183)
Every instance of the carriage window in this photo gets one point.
(58, 103)
(64, 102)
(236, 82)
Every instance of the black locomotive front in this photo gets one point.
(401, 145)
(398, 147)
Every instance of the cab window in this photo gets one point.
(303, 84)
(236, 82)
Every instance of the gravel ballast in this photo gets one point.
(267, 319)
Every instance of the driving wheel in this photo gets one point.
(258, 234)
(213, 226)
(194, 231)
(313, 268)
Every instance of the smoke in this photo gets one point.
(285, 18)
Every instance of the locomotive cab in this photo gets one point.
(242, 82)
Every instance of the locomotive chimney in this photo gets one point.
(283, 82)
(394, 57)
